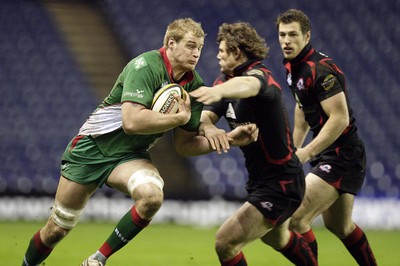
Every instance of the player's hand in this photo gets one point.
(303, 155)
(216, 137)
(243, 135)
(184, 108)
(207, 95)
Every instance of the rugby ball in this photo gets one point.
(164, 101)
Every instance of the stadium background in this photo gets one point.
(58, 59)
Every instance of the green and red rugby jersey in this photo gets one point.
(141, 78)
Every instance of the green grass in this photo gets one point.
(176, 245)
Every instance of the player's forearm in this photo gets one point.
(199, 145)
(330, 132)
(147, 122)
(240, 87)
(301, 128)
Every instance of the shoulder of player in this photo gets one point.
(145, 59)
(316, 66)
(258, 70)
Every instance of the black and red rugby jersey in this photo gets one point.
(274, 153)
(312, 78)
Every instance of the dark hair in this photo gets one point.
(294, 15)
(243, 36)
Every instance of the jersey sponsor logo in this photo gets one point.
(300, 84)
(325, 168)
(267, 205)
(289, 79)
(164, 83)
(120, 236)
(139, 63)
(137, 94)
(328, 82)
(255, 72)
(230, 113)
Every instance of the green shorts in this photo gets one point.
(83, 162)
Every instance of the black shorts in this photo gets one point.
(277, 199)
(342, 167)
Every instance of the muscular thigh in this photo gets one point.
(74, 195)
(119, 177)
(245, 225)
(319, 196)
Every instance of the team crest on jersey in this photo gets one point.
(267, 205)
(230, 112)
(300, 84)
(325, 168)
(289, 79)
(139, 63)
(328, 82)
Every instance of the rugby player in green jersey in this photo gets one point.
(112, 146)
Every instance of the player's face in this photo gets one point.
(227, 61)
(292, 40)
(186, 53)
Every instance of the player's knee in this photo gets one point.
(296, 223)
(65, 217)
(220, 248)
(150, 201)
(224, 247)
(142, 177)
(146, 187)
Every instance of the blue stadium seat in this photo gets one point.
(37, 77)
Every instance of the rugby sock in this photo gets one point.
(309, 237)
(127, 228)
(37, 252)
(238, 260)
(358, 246)
(298, 251)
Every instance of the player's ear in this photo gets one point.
(237, 53)
(308, 36)
(171, 42)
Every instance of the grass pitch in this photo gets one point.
(177, 245)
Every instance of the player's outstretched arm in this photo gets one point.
(243, 135)
(237, 87)
(216, 136)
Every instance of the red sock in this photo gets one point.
(358, 246)
(309, 237)
(127, 228)
(298, 251)
(37, 252)
(238, 260)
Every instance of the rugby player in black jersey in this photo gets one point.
(336, 152)
(246, 93)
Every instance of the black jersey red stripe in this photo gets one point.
(312, 78)
(274, 153)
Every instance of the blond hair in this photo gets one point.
(179, 27)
